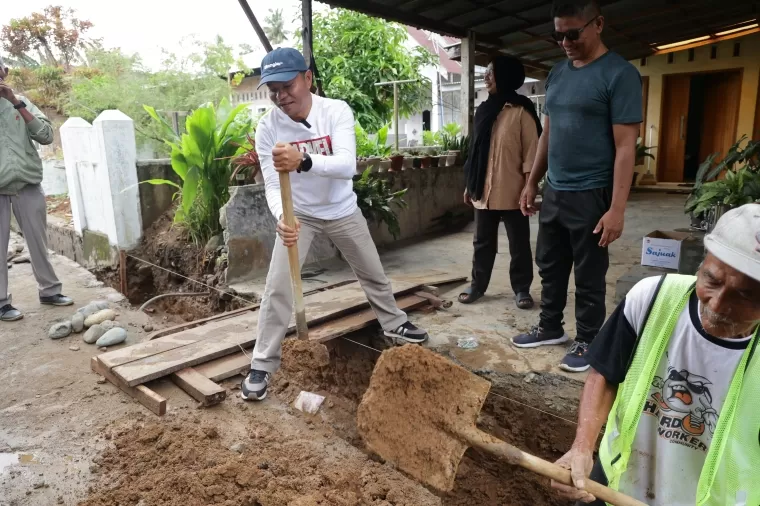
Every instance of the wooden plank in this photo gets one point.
(162, 364)
(327, 303)
(226, 367)
(199, 387)
(364, 318)
(235, 312)
(143, 394)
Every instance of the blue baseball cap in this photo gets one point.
(282, 65)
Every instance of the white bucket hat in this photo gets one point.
(735, 240)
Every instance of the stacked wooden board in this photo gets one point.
(195, 358)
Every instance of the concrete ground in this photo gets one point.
(53, 409)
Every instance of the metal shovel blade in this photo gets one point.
(416, 399)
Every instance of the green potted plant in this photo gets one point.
(435, 157)
(732, 182)
(642, 153)
(378, 201)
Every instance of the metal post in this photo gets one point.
(467, 99)
(256, 26)
(395, 112)
(395, 103)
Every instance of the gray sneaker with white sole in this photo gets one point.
(254, 386)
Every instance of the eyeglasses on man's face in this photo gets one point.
(573, 34)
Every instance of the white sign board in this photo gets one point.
(658, 252)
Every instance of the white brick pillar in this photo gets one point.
(76, 140)
(117, 175)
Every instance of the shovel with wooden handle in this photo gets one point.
(295, 265)
(415, 387)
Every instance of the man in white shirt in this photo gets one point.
(313, 139)
(679, 360)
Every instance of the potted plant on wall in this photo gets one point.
(642, 153)
(378, 201)
(397, 161)
(732, 182)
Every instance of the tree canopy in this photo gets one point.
(53, 37)
(354, 51)
(274, 27)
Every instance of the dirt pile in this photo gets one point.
(186, 464)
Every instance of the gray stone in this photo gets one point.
(74, 348)
(109, 324)
(112, 337)
(77, 322)
(19, 248)
(93, 307)
(214, 243)
(60, 330)
(148, 327)
(22, 259)
(99, 317)
(93, 334)
(115, 297)
(238, 447)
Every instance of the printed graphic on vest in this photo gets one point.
(682, 404)
(319, 146)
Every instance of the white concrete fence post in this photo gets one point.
(101, 169)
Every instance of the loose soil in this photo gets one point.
(168, 247)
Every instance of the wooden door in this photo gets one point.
(675, 112)
(721, 113)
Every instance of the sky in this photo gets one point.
(146, 26)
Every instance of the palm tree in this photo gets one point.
(275, 27)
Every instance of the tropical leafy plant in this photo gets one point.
(741, 184)
(274, 27)
(201, 158)
(367, 147)
(431, 138)
(377, 201)
(643, 151)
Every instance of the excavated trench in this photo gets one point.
(532, 412)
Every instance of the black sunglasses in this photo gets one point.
(573, 34)
(697, 389)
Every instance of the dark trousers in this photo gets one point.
(566, 239)
(486, 246)
(597, 474)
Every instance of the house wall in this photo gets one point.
(246, 92)
(748, 61)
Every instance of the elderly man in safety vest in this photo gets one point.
(676, 377)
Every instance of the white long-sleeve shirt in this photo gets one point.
(326, 191)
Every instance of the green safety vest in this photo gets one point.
(731, 474)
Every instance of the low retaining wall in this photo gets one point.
(90, 250)
(155, 200)
(434, 198)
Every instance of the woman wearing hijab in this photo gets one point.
(506, 133)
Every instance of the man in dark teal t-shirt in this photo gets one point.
(587, 152)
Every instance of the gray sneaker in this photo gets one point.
(57, 300)
(9, 313)
(538, 336)
(408, 332)
(254, 386)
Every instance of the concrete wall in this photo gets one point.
(54, 177)
(246, 92)
(749, 62)
(434, 195)
(155, 200)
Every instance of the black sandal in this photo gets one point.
(524, 300)
(469, 296)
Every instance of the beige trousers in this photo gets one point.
(31, 214)
(351, 236)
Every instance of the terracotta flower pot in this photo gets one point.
(434, 161)
(427, 162)
(397, 163)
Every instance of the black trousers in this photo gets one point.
(486, 246)
(566, 239)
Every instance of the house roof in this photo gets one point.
(437, 45)
(522, 27)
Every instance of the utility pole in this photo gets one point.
(395, 103)
(256, 26)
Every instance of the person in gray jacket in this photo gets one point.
(20, 190)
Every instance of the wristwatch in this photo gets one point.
(21, 104)
(306, 163)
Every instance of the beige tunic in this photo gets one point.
(514, 141)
